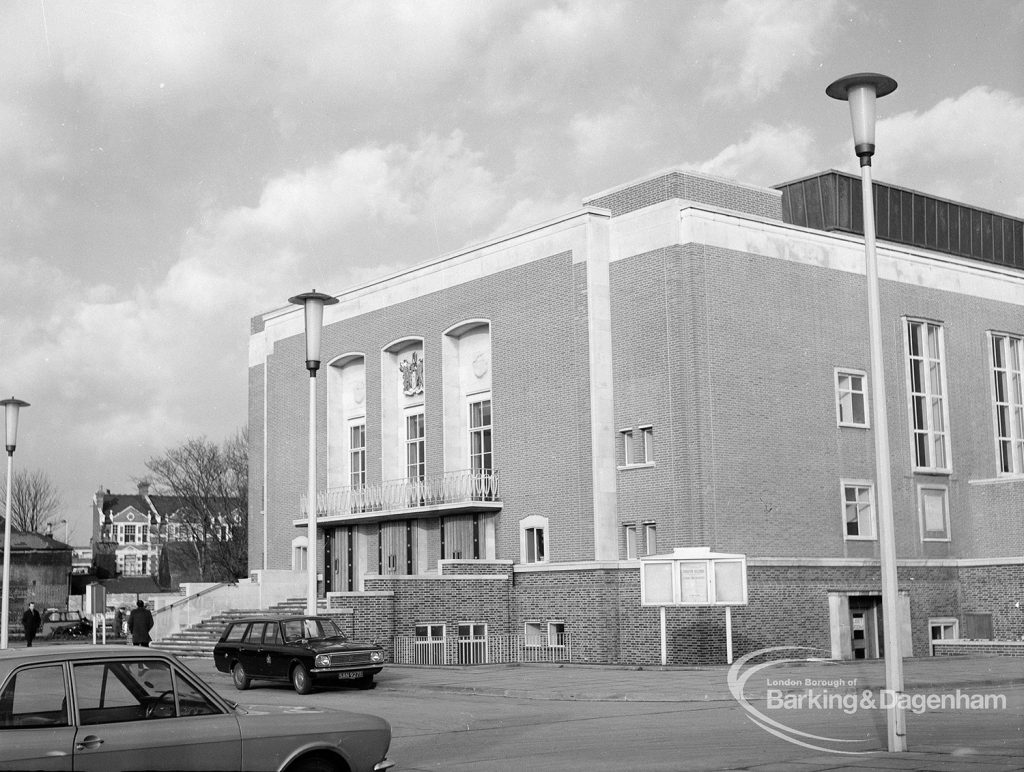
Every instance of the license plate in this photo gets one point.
(351, 674)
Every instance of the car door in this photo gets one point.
(274, 652)
(139, 714)
(35, 726)
(250, 652)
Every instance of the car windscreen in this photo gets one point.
(310, 629)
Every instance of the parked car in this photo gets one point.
(304, 650)
(105, 708)
(59, 623)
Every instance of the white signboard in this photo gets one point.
(693, 576)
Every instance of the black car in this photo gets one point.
(302, 650)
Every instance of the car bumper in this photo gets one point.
(324, 674)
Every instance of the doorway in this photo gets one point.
(866, 633)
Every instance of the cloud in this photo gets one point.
(968, 148)
(766, 156)
(600, 134)
(140, 369)
(750, 46)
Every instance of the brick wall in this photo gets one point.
(691, 186)
(954, 648)
(995, 590)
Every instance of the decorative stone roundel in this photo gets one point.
(481, 364)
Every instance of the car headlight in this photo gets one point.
(377, 656)
(323, 660)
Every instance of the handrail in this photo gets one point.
(189, 598)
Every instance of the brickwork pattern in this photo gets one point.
(974, 648)
(995, 590)
(698, 188)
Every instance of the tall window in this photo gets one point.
(630, 542)
(858, 510)
(1008, 394)
(357, 454)
(480, 436)
(927, 386)
(415, 447)
(129, 534)
(851, 398)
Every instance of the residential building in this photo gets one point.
(141, 526)
(506, 432)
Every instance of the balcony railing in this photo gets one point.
(462, 487)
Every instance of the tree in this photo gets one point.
(34, 500)
(211, 484)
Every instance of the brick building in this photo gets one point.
(505, 431)
(40, 571)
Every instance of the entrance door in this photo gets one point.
(341, 559)
(397, 548)
(866, 626)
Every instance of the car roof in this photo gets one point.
(12, 658)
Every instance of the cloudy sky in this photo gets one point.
(170, 169)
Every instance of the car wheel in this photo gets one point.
(242, 681)
(301, 681)
(316, 764)
(366, 682)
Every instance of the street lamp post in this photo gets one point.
(861, 91)
(11, 408)
(313, 303)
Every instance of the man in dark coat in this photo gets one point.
(140, 622)
(31, 621)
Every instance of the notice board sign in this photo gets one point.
(693, 576)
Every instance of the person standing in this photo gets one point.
(140, 622)
(31, 621)
(119, 622)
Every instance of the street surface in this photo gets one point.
(438, 725)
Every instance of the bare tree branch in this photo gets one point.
(34, 500)
(211, 483)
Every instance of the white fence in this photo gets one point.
(493, 649)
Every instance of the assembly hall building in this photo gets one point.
(507, 432)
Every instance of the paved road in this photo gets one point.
(537, 717)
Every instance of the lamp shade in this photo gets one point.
(11, 408)
(861, 91)
(313, 303)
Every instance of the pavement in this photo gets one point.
(571, 682)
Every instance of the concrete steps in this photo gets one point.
(199, 639)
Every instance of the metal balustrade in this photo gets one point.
(493, 649)
(461, 487)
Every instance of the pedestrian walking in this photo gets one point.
(119, 622)
(31, 621)
(140, 622)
